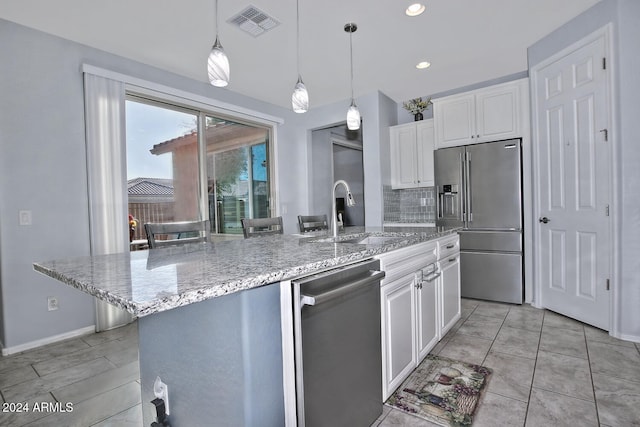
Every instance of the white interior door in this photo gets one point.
(573, 183)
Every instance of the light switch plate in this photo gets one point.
(25, 217)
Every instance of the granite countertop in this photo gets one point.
(147, 282)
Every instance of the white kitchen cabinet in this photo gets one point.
(420, 299)
(427, 320)
(448, 283)
(488, 114)
(412, 146)
(399, 340)
(411, 324)
(409, 312)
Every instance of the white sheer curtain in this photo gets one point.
(107, 179)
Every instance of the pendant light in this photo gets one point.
(300, 96)
(353, 114)
(218, 63)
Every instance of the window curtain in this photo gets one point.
(106, 174)
(106, 164)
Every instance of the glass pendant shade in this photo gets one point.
(353, 117)
(300, 97)
(218, 65)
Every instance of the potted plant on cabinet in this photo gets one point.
(416, 106)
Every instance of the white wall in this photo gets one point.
(625, 15)
(43, 169)
(629, 173)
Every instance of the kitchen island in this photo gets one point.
(209, 315)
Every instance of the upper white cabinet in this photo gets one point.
(412, 146)
(488, 114)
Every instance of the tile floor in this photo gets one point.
(98, 374)
(548, 371)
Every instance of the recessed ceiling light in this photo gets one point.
(415, 9)
(423, 65)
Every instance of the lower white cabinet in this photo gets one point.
(449, 282)
(420, 301)
(399, 337)
(427, 321)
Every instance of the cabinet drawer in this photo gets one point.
(448, 245)
(407, 260)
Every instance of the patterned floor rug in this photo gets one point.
(443, 391)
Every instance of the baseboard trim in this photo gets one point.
(627, 337)
(49, 340)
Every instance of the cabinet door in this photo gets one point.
(450, 291)
(497, 113)
(454, 120)
(425, 140)
(427, 317)
(404, 172)
(398, 333)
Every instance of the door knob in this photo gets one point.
(544, 220)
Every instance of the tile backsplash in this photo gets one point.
(409, 205)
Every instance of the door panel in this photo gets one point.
(491, 276)
(427, 314)
(572, 178)
(494, 185)
(500, 241)
(450, 279)
(403, 161)
(448, 180)
(557, 257)
(497, 113)
(398, 300)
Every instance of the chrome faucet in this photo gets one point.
(334, 214)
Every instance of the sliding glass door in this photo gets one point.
(237, 173)
(162, 165)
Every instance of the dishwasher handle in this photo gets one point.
(375, 276)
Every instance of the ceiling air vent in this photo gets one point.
(253, 21)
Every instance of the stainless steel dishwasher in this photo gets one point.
(338, 352)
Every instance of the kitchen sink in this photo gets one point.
(362, 240)
(375, 240)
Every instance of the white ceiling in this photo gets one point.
(467, 41)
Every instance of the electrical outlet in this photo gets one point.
(52, 303)
(25, 217)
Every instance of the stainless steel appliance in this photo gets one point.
(479, 187)
(338, 354)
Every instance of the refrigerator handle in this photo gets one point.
(468, 188)
(462, 185)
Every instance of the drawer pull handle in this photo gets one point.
(452, 259)
(433, 276)
(450, 246)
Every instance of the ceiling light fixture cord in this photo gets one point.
(298, 37)
(218, 63)
(300, 96)
(351, 30)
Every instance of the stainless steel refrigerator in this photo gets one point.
(479, 187)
